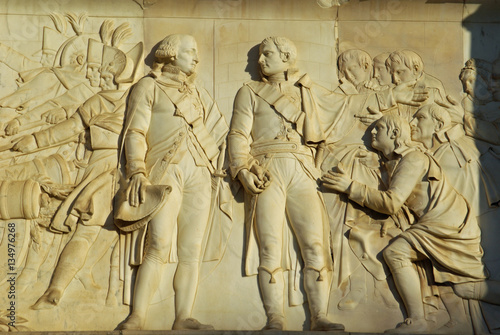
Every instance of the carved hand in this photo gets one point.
(12, 127)
(136, 190)
(368, 119)
(407, 94)
(337, 181)
(55, 116)
(256, 181)
(369, 159)
(25, 144)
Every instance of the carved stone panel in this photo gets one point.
(246, 165)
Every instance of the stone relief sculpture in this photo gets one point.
(382, 77)
(75, 177)
(359, 234)
(407, 69)
(174, 133)
(88, 206)
(114, 187)
(443, 231)
(41, 83)
(356, 67)
(275, 132)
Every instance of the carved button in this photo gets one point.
(181, 133)
(294, 146)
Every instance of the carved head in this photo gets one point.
(475, 78)
(177, 50)
(405, 66)
(427, 121)
(355, 65)
(51, 42)
(390, 132)
(73, 53)
(381, 72)
(276, 55)
(113, 63)
(94, 60)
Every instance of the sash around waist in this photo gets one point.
(279, 147)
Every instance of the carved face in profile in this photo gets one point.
(380, 73)
(402, 74)
(423, 126)
(270, 60)
(382, 140)
(47, 59)
(473, 86)
(187, 55)
(356, 73)
(93, 74)
(107, 80)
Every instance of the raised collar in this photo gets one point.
(172, 76)
(404, 150)
(450, 134)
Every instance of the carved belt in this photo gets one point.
(280, 147)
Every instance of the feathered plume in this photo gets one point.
(120, 34)
(106, 31)
(59, 22)
(77, 22)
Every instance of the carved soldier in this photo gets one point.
(87, 208)
(443, 231)
(272, 144)
(173, 134)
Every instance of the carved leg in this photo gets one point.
(105, 239)
(70, 262)
(318, 293)
(34, 259)
(486, 290)
(146, 284)
(408, 285)
(192, 225)
(272, 288)
(399, 257)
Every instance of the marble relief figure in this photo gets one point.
(219, 179)
(273, 141)
(442, 230)
(174, 133)
(89, 205)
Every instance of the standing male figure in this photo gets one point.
(173, 133)
(272, 145)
